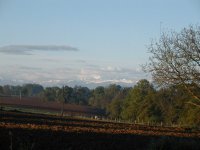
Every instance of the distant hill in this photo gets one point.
(71, 83)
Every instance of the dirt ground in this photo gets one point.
(22, 131)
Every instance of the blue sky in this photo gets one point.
(53, 41)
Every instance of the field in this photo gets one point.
(52, 107)
(36, 131)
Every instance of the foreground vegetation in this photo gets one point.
(34, 131)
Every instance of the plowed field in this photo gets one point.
(35, 103)
(34, 131)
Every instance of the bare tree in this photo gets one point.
(175, 60)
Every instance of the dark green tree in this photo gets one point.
(7, 90)
(1, 90)
(97, 96)
(32, 89)
(115, 107)
(136, 100)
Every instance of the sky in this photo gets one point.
(55, 42)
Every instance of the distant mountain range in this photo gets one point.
(71, 83)
(92, 84)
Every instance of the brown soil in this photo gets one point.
(34, 131)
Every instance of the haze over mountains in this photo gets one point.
(71, 83)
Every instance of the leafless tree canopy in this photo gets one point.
(176, 59)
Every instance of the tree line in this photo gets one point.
(141, 103)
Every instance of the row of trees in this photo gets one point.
(99, 97)
(141, 103)
(76, 95)
(25, 90)
(144, 103)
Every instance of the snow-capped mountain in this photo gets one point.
(71, 83)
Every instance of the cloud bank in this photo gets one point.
(27, 49)
(60, 75)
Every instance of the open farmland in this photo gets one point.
(34, 131)
(35, 103)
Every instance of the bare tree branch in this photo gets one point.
(176, 60)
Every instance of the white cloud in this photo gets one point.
(27, 49)
(88, 74)
(97, 77)
(110, 74)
